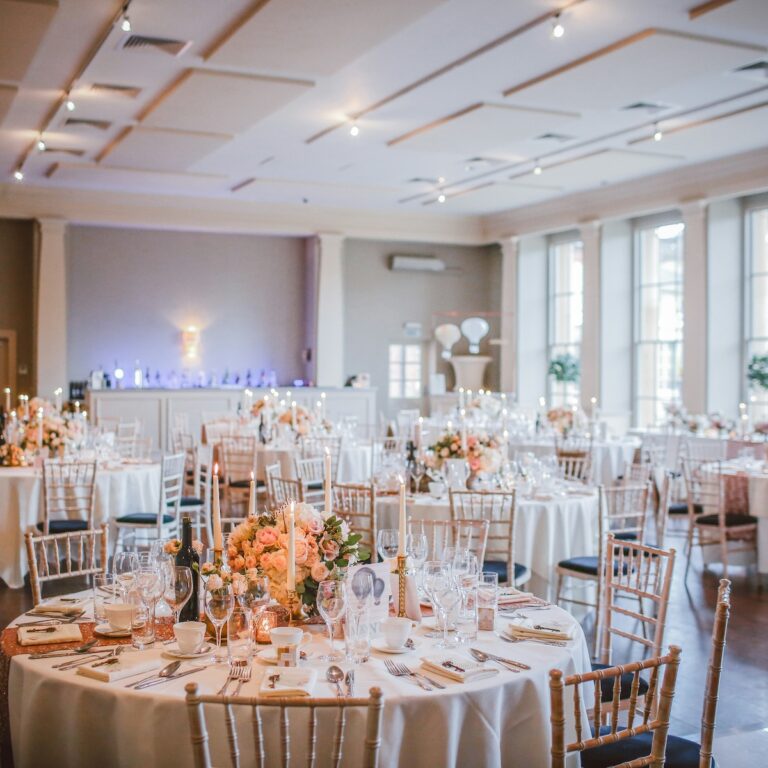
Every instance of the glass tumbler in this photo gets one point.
(103, 594)
(142, 625)
(357, 633)
(239, 635)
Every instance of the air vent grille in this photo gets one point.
(129, 91)
(164, 44)
(561, 138)
(85, 122)
(422, 180)
(651, 107)
(758, 70)
(64, 151)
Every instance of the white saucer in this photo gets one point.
(106, 631)
(380, 645)
(175, 653)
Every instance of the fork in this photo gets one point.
(399, 670)
(556, 643)
(234, 674)
(244, 675)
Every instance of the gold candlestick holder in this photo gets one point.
(295, 608)
(401, 585)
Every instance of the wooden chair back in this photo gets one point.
(126, 435)
(623, 512)
(574, 458)
(272, 729)
(314, 447)
(238, 458)
(460, 533)
(357, 505)
(652, 718)
(171, 488)
(702, 451)
(311, 471)
(387, 450)
(69, 491)
(282, 490)
(57, 556)
(644, 573)
(498, 509)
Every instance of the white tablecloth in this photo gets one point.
(355, 462)
(130, 488)
(546, 531)
(63, 719)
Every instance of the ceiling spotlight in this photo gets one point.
(441, 198)
(18, 175)
(126, 24)
(441, 179)
(41, 145)
(657, 134)
(70, 105)
(354, 130)
(558, 30)
(537, 169)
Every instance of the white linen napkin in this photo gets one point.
(61, 607)
(512, 596)
(470, 669)
(557, 629)
(127, 664)
(412, 608)
(292, 682)
(60, 633)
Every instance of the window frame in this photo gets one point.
(751, 206)
(403, 379)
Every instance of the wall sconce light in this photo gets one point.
(190, 342)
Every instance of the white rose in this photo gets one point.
(215, 581)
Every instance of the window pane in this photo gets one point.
(412, 353)
(412, 372)
(395, 389)
(760, 306)
(759, 224)
(413, 389)
(567, 319)
(395, 352)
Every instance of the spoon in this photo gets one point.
(166, 671)
(483, 657)
(75, 651)
(335, 675)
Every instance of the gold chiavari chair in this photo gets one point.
(69, 492)
(198, 503)
(282, 490)
(387, 450)
(57, 556)
(311, 473)
(314, 447)
(622, 510)
(272, 730)
(462, 534)
(498, 508)
(599, 746)
(126, 437)
(238, 459)
(357, 505)
(710, 524)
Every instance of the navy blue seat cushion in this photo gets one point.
(190, 501)
(680, 753)
(587, 565)
(260, 486)
(496, 566)
(144, 518)
(317, 485)
(625, 535)
(731, 519)
(606, 685)
(64, 526)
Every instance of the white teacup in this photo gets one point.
(396, 630)
(119, 616)
(189, 635)
(437, 490)
(289, 636)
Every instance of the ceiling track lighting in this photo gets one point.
(18, 174)
(354, 129)
(537, 169)
(69, 104)
(125, 24)
(441, 198)
(41, 145)
(657, 134)
(558, 30)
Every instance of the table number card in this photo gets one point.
(381, 589)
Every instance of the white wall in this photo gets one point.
(130, 293)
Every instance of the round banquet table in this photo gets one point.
(548, 528)
(119, 491)
(355, 462)
(61, 718)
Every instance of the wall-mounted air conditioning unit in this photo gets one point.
(402, 262)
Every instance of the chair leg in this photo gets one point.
(689, 552)
(559, 588)
(724, 554)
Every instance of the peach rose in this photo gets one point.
(279, 561)
(319, 572)
(267, 537)
(265, 560)
(302, 550)
(330, 549)
(250, 562)
(239, 563)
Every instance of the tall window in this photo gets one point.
(566, 300)
(757, 297)
(659, 321)
(405, 370)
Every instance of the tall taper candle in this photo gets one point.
(252, 497)
(57, 393)
(464, 432)
(419, 429)
(216, 515)
(39, 429)
(7, 392)
(327, 481)
(291, 577)
(403, 523)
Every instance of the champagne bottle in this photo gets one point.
(187, 556)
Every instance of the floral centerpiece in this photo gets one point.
(485, 404)
(57, 429)
(447, 447)
(757, 371)
(483, 452)
(719, 423)
(12, 456)
(298, 418)
(561, 419)
(565, 368)
(324, 545)
(761, 428)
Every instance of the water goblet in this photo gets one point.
(125, 565)
(387, 543)
(332, 603)
(219, 602)
(177, 587)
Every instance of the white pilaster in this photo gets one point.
(590, 234)
(329, 357)
(51, 309)
(508, 372)
(695, 306)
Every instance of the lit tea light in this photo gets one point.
(265, 623)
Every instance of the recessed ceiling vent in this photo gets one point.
(129, 91)
(480, 163)
(650, 107)
(756, 71)
(64, 151)
(162, 44)
(85, 122)
(422, 180)
(560, 138)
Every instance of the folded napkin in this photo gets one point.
(61, 633)
(292, 682)
(556, 630)
(512, 596)
(61, 607)
(412, 608)
(468, 669)
(128, 664)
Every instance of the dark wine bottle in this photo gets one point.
(187, 556)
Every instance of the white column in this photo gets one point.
(51, 309)
(329, 353)
(508, 372)
(590, 233)
(695, 306)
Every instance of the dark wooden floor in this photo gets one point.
(744, 689)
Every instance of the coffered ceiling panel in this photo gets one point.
(88, 175)
(308, 37)
(162, 150)
(343, 195)
(633, 70)
(216, 102)
(738, 15)
(495, 196)
(7, 92)
(600, 167)
(23, 23)
(486, 129)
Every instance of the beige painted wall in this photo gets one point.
(131, 292)
(17, 294)
(377, 302)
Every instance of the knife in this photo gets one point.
(168, 679)
(349, 681)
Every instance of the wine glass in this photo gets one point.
(387, 542)
(177, 587)
(219, 603)
(418, 470)
(417, 548)
(125, 565)
(149, 584)
(446, 597)
(332, 603)
(464, 564)
(435, 572)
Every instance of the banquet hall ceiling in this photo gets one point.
(462, 106)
